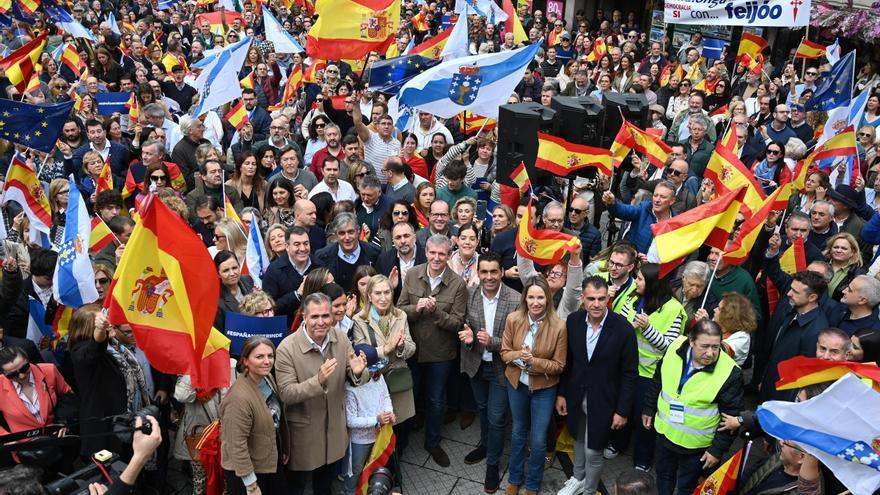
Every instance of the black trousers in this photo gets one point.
(322, 479)
(269, 483)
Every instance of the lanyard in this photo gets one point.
(641, 306)
(620, 292)
(687, 376)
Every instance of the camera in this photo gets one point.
(381, 482)
(123, 424)
(77, 483)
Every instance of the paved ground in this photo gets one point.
(423, 476)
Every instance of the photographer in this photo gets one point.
(144, 446)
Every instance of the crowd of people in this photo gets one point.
(394, 261)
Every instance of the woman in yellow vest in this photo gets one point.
(658, 318)
(695, 383)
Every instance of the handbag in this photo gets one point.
(396, 379)
(194, 437)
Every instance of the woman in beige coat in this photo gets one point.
(385, 327)
(253, 435)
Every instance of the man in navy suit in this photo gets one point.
(405, 255)
(98, 141)
(598, 384)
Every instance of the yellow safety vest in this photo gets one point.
(697, 395)
(661, 320)
(621, 298)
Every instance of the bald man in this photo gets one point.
(578, 221)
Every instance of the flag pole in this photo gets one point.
(747, 449)
(711, 278)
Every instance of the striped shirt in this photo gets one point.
(658, 340)
(376, 151)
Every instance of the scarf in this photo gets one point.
(135, 384)
(383, 322)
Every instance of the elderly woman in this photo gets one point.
(692, 289)
(736, 317)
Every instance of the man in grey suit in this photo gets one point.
(488, 305)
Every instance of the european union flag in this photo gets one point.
(835, 90)
(35, 126)
(387, 76)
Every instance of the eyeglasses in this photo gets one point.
(555, 274)
(612, 264)
(62, 193)
(439, 215)
(400, 213)
(157, 178)
(21, 371)
(102, 281)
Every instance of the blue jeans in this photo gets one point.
(491, 399)
(430, 379)
(676, 473)
(531, 413)
(359, 454)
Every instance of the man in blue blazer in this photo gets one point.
(598, 384)
(119, 157)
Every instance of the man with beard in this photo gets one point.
(406, 254)
(333, 136)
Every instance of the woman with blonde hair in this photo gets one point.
(380, 324)
(842, 251)
(59, 195)
(534, 348)
(229, 236)
(276, 241)
(736, 317)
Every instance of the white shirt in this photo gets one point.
(739, 342)
(405, 266)
(320, 348)
(43, 294)
(424, 137)
(344, 191)
(489, 309)
(529, 341)
(377, 150)
(104, 152)
(435, 281)
(32, 404)
(593, 334)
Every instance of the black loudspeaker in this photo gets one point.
(518, 127)
(579, 120)
(633, 106)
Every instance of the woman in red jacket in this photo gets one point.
(29, 392)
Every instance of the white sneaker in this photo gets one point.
(573, 486)
(610, 452)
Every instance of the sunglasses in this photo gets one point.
(320, 126)
(102, 280)
(21, 371)
(362, 174)
(774, 152)
(812, 73)
(157, 178)
(400, 213)
(864, 134)
(577, 211)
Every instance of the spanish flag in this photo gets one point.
(23, 186)
(723, 480)
(294, 81)
(352, 29)
(311, 72)
(706, 87)
(169, 61)
(230, 212)
(840, 146)
(631, 138)
(753, 65)
(161, 291)
(215, 19)
(544, 247)
(752, 45)
(520, 177)
(61, 325)
(738, 251)
(810, 49)
(599, 49)
(709, 224)
(560, 157)
(513, 24)
(433, 47)
(105, 178)
(667, 74)
(101, 235)
(419, 23)
(469, 122)
(720, 110)
(801, 371)
(792, 260)
(237, 115)
(247, 82)
(133, 110)
(33, 84)
(729, 141)
(382, 450)
(71, 58)
(20, 64)
(728, 173)
(28, 7)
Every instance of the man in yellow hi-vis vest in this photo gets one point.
(693, 385)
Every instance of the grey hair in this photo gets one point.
(440, 240)
(823, 202)
(696, 269)
(827, 271)
(314, 298)
(255, 214)
(154, 110)
(331, 125)
(343, 220)
(556, 204)
(371, 182)
(795, 149)
(870, 289)
(185, 123)
(158, 144)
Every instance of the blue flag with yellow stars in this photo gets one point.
(387, 76)
(34, 126)
(836, 87)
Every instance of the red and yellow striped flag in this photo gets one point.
(631, 138)
(723, 480)
(598, 50)
(230, 212)
(560, 157)
(753, 65)
(706, 86)
(469, 122)
(810, 49)
(741, 246)
(352, 29)
(728, 173)
(21, 63)
(133, 110)
(28, 7)
(840, 146)
(801, 371)
(101, 235)
(729, 141)
(792, 260)
(247, 82)
(382, 450)
(161, 291)
(105, 178)
(33, 84)
(23, 186)
(543, 246)
(709, 224)
(520, 177)
(61, 324)
(238, 115)
(419, 22)
(72, 59)
(752, 45)
(433, 47)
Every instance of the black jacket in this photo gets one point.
(729, 401)
(227, 301)
(389, 259)
(608, 379)
(101, 387)
(328, 257)
(505, 245)
(281, 282)
(14, 307)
